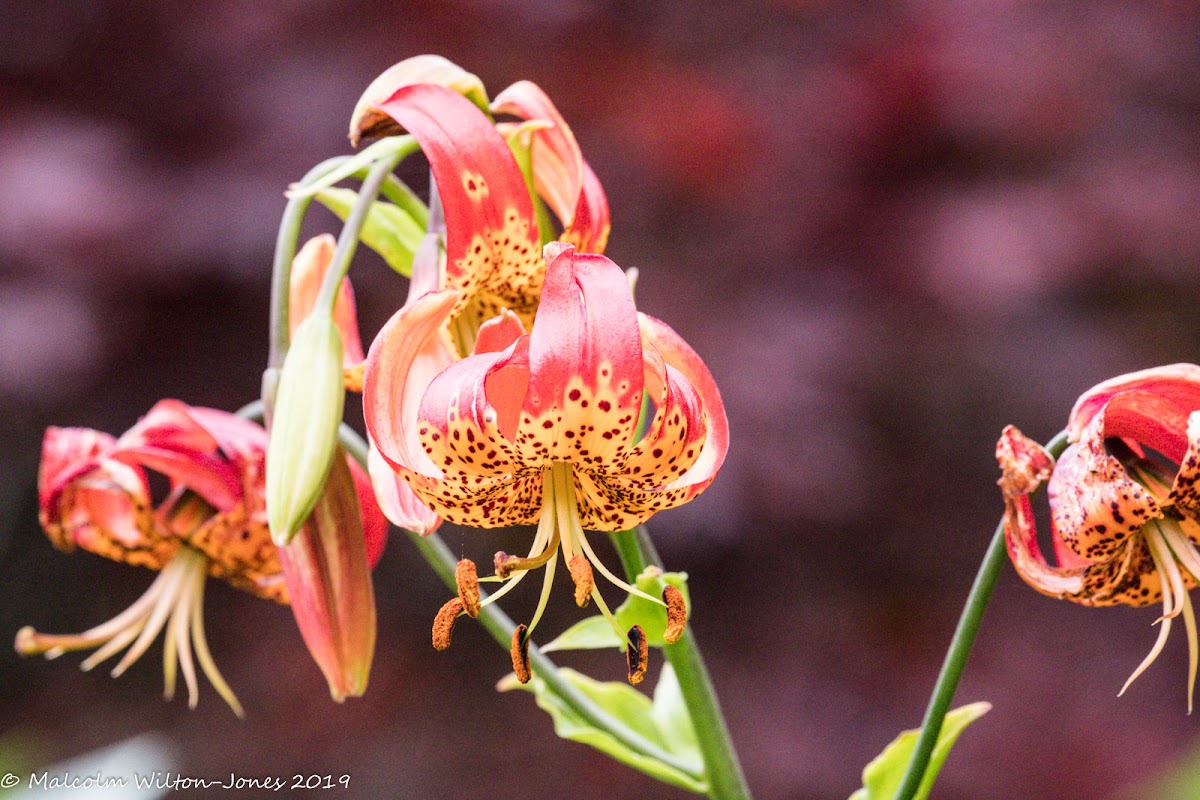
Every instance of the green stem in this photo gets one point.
(960, 650)
(501, 628)
(281, 269)
(347, 242)
(289, 235)
(722, 767)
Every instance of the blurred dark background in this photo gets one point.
(890, 228)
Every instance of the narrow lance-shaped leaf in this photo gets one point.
(389, 230)
(657, 721)
(308, 410)
(881, 778)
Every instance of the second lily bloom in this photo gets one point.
(1124, 500)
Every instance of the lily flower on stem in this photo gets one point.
(94, 494)
(492, 235)
(1125, 510)
(541, 428)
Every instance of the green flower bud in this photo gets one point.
(308, 411)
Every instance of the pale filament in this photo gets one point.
(175, 600)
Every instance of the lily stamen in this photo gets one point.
(1168, 600)
(467, 579)
(176, 597)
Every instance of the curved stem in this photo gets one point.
(722, 767)
(281, 269)
(289, 234)
(347, 242)
(501, 628)
(960, 650)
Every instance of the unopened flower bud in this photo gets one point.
(328, 576)
(308, 411)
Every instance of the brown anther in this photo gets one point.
(581, 574)
(676, 614)
(637, 655)
(443, 623)
(352, 378)
(468, 586)
(504, 564)
(520, 654)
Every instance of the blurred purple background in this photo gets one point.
(889, 228)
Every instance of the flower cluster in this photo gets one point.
(522, 386)
(517, 385)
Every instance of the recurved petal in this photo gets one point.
(483, 502)
(610, 503)
(239, 439)
(1094, 504)
(1185, 492)
(492, 236)
(1024, 464)
(240, 552)
(585, 359)
(1150, 407)
(557, 161)
(368, 121)
(402, 362)
(397, 500)
(465, 410)
(107, 512)
(678, 354)
(591, 224)
(675, 437)
(67, 453)
(170, 440)
(308, 273)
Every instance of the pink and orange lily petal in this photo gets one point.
(544, 429)
(561, 176)
(493, 256)
(492, 245)
(1123, 502)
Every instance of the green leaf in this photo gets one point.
(881, 778)
(595, 632)
(389, 230)
(663, 722)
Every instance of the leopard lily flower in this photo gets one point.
(1125, 510)
(94, 494)
(493, 238)
(542, 428)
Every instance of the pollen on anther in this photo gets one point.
(467, 579)
(581, 574)
(443, 623)
(637, 655)
(676, 614)
(520, 654)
